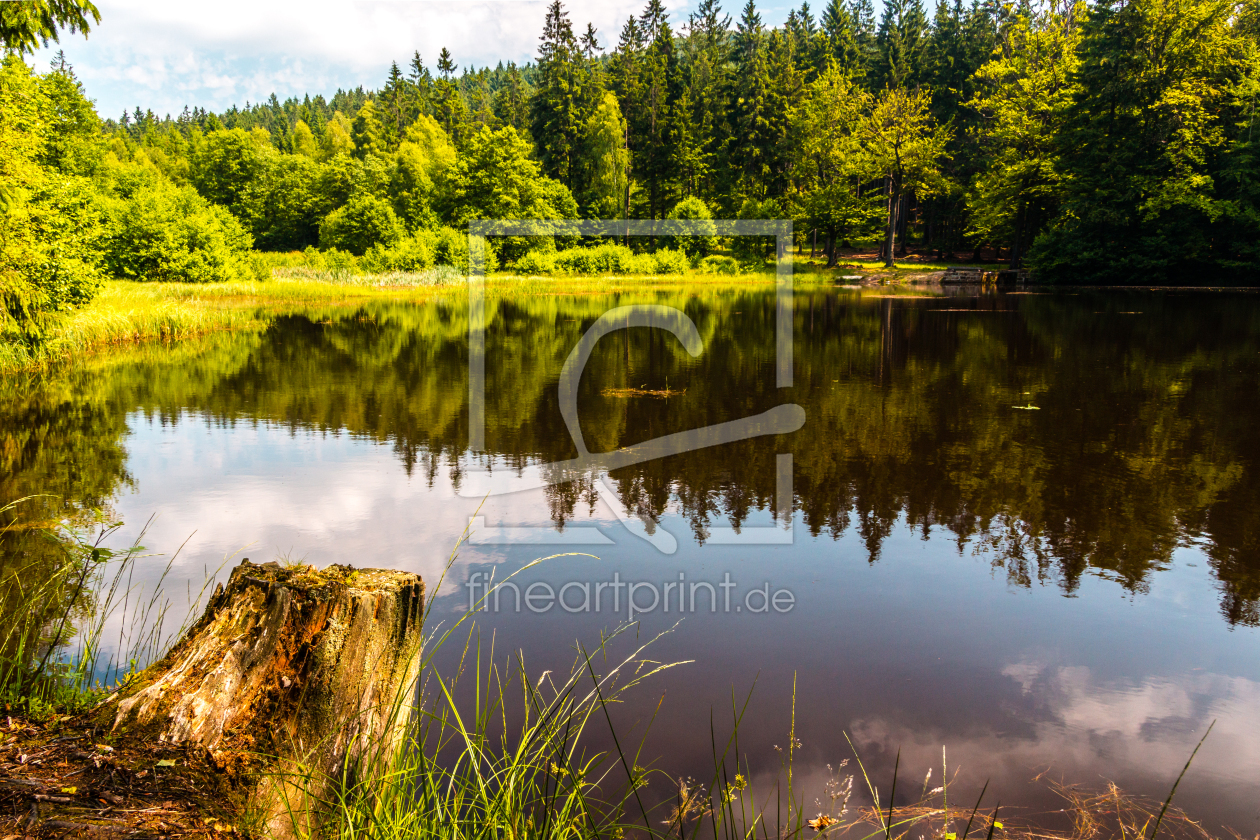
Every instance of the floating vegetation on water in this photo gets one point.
(643, 391)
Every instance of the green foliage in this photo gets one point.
(699, 241)
(906, 147)
(537, 262)
(1141, 140)
(496, 178)
(834, 163)
(226, 164)
(1024, 96)
(421, 173)
(25, 25)
(609, 160)
(408, 254)
(367, 133)
(449, 246)
(755, 250)
(360, 223)
(719, 264)
(608, 258)
(282, 204)
(1118, 136)
(167, 233)
(668, 261)
(49, 217)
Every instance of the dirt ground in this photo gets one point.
(63, 778)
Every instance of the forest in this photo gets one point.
(1094, 143)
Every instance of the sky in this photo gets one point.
(163, 55)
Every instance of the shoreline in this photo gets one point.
(133, 312)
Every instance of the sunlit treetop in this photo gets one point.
(26, 25)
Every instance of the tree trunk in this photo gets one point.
(1017, 250)
(313, 671)
(903, 216)
(890, 233)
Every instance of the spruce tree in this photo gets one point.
(839, 29)
(394, 100)
(449, 107)
(555, 116)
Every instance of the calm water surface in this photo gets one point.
(1021, 526)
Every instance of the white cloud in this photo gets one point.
(164, 55)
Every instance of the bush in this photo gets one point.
(360, 223)
(755, 250)
(168, 233)
(668, 261)
(50, 219)
(699, 219)
(538, 262)
(719, 264)
(409, 254)
(450, 247)
(609, 258)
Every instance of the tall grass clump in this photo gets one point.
(60, 586)
(511, 761)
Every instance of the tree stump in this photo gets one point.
(313, 671)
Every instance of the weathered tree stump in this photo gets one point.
(313, 672)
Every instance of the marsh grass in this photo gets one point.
(442, 275)
(130, 312)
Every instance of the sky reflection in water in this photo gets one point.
(1072, 588)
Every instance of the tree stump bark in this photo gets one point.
(313, 671)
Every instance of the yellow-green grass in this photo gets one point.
(129, 312)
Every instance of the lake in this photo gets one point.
(1021, 526)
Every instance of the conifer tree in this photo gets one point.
(656, 117)
(839, 29)
(555, 110)
(449, 107)
(511, 101)
(394, 100)
(901, 41)
(367, 132)
(420, 88)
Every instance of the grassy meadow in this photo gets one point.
(130, 311)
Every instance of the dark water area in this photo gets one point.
(1022, 527)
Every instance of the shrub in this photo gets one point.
(669, 261)
(168, 233)
(719, 264)
(699, 218)
(538, 262)
(754, 250)
(408, 254)
(50, 220)
(608, 258)
(360, 223)
(450, 247)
